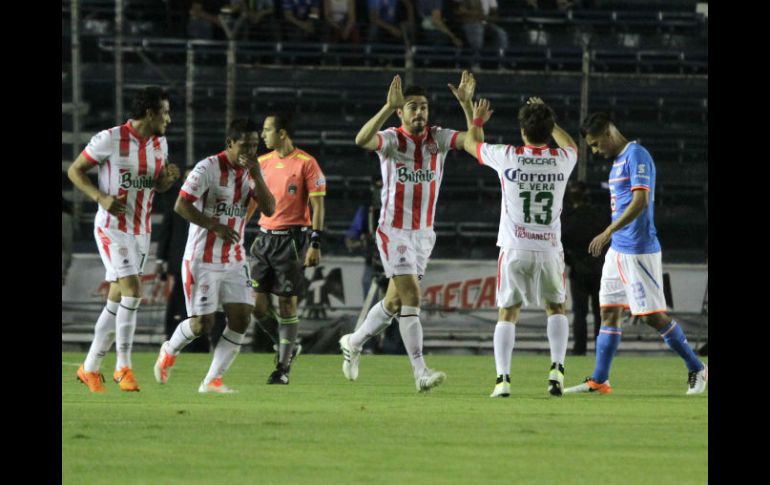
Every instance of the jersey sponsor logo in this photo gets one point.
(405, 174)
(320, 182)
(232, 210)
(537, 161)
(522, 233)
(640, 169)
(127, 181)
(516, 175)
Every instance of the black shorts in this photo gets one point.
(279, 262)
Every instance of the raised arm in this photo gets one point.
(464, 94)
(481, 114)
(366, 135)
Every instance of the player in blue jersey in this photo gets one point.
(632, 272)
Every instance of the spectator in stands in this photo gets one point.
(172, 237)
(302, 18)
(580, 222)
(255, 18)
(476, 17)
(122, 224)
(204, 22)
(385, 24)
(434, 27)
(67, 228)
(340, 17)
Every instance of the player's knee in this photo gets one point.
(393, 305)
(201, 324)
(554, 308)
(611, 316)
(656, 320)
(130, 286)
(287, 306)
(508, 314)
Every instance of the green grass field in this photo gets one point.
(323, 429)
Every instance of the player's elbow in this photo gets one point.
(361, 141)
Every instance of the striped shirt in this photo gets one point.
(129, 166)
(412, 168)
(221, 191)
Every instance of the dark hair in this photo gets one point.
(148, 98)
(282, 121)
(596, 124)
(415, 91)
(537, 121)
(241, 127)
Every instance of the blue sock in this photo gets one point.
(607, 344)
(674, 337)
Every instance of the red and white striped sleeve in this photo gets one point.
(99, 148)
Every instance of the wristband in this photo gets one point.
(315, 239)
(478, 122)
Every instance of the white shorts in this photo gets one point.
(123, 254)
(405, 251)
(207, 285)
(633, 278)
(526, 277)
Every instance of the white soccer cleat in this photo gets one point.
(216, 386)
(556, 380)
(429, 379)
(696, 381)
(502, 389)
(352, 357)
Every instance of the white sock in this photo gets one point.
(375, 322)
(505, 336)
(125, 325)
(558, 335)
(104, 335)
(224, 354)
(411, 333)
(182, 336)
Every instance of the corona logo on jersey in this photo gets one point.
(232, 210)
(516, 175)
(127, 181)
(406, 174)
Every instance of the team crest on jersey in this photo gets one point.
(292, 189)
(204, 288)
(123, 252)
(401, 249)
(432, 148)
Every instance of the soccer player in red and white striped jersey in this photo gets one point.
(215, 199)
(132, 160)
(412, 163)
